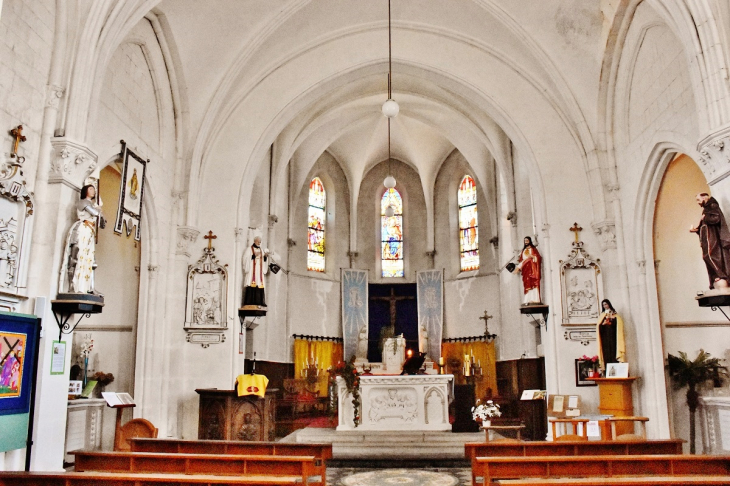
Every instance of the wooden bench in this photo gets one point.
(647, 481)
(472, 450)
(321, 452)
(121, 479)
(490, 469)
(219, 465)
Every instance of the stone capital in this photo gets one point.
(71, 163)
(606, 233)
(714, 156)
(54, 94)
(186, 236)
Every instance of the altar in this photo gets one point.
(398, 402)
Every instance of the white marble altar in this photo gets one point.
(401, 402)
(715, 420)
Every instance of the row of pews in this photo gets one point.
(593, 463)
(158, 462)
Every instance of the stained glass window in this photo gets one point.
(391, 231)
(315, 226)
(468, 224)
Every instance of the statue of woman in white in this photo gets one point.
(362, 344)
(82, 242)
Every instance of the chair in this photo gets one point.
(136, 428)
(574, 422)
(630, 436)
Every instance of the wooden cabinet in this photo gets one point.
(513, 377)
(615, 399)
(226, 416)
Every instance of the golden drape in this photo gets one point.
(326, 354)
(484, 354)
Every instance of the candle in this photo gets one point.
(409, 353)
(441, 361)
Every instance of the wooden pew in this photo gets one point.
(490, 469)
(122, 479)
(647, 481)
(219, 465)
(321, 452)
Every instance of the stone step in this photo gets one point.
(385, 445)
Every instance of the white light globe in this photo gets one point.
(390, 108)
(389, 182)
(390, 211)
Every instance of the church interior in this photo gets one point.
(241, 221)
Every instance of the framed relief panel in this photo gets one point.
(581, 285)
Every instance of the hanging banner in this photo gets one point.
(430, 291)
(131, 193)
(354, 309)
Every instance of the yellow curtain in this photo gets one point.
(323, 354)
(484, 355)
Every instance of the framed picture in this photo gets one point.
(583, 371)
(18, 347)
(617, 370)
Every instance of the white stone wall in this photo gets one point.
(26, 39)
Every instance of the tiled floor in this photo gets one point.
(413, 477)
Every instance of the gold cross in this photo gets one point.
(576, 229)
(486, 318)
(17, 133)
(210, 237)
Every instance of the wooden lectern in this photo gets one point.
(616, 399)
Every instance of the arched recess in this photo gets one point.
(649, 356)
(680, 274)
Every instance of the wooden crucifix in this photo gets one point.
(576, 229)
(210, 237)
(17, 134)
(393, 299)
(486, 318)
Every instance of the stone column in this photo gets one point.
(71, 163)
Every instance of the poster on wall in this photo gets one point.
(131, 193)
(18, 341)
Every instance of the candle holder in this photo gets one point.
(310, 373)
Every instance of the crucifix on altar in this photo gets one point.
(395, 326)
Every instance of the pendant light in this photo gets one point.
(390, 109)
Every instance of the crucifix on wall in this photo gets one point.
(393, 300)
(486, 318)
(18, 137)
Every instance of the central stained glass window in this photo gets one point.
(315, 226)
(391, 231)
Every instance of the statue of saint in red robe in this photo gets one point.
(530, 264)
(714, 240)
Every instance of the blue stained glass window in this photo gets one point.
(391, 231)
(468, 224)
(315, 227)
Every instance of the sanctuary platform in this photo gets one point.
(388, 445)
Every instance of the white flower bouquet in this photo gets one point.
(485, 411)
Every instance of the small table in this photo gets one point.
(516, 428)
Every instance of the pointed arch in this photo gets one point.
(391, 234)
(468, 224)
(316, 219)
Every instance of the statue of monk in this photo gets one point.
(714, 240)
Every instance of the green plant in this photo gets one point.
(693, 374)
(349, 373)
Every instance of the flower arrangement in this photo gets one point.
(485, 411)
(589, 358)
(103, 379)
(86, 346)
(349, 373)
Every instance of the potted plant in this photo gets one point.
(593, 361)
(483, 412)
(693, 374)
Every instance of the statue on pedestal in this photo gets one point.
(610, 336)
(714, 240)
(81, 242)
(530, 265)
(255, 267)
(362, 345)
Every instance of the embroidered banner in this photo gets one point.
(354, 309)
(131, 193)
(430, 292)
